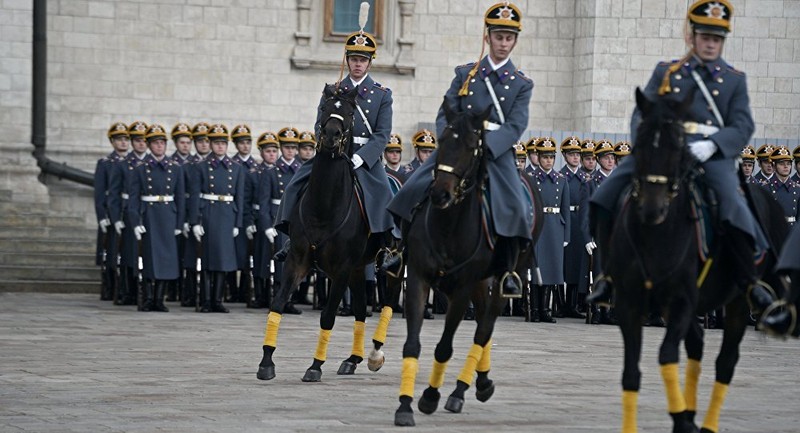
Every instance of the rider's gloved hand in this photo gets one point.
(357, 161)
(703, 149)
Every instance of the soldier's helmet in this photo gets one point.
(571, 144)
(546, 146)
(711, 17)
(749, 154)
(603, 147)
(764, 151)
(530, 146)
(780, 153)
(181, 130)
(218, 132)
(137, 129)
(289, 136)
(267, 139)
(587, 147)
(519, 150)
(362, 44)
(117, 129)
(307, 139)
(796, 153)
(395, 143)
(241, 132)
(503, 16)
(424, 139)
(623, 148)
(200, 130)
(155, 132)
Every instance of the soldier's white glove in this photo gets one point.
(357, 161)
(250, 231)
(271, 234)
(565, 244)
(590, 246)
(138, 231)
(104, 223)
(703, 149)
(118, 226)
(235, 232)
(198, 232)
(186, 230)
(178, 232)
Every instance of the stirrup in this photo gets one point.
(766, 286)
(511, 274)
(607, 298)
(391, 255)
(790, 308)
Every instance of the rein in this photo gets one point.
(464, 185)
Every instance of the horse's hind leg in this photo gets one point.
(736, 314)
(391, 296)
(680, 314)
(484, 387)
(293, 273)
(359, 303)
(326, 320)
(694, 354)
(416, 295)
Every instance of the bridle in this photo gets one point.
(466, 180)
(679, 175)
(341, 144)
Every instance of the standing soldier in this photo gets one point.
(533, 157)
(182, 137)
(392, 156)
(155, 210)
(216, 214)
(118, 199)
(549, 249)
(307, 146)
(588, 160)
(573, 253)
(784, 189)
(239, 291)
(796, 155)
(268, 199)
(306, 149)
(748, 163)
(521, 155)
(106, 256)
(766, 169)
(424, 143)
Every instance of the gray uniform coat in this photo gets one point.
(102, 184)
(249, 166)
(268, 198)
(555, 194)
(118, 202)
(789, 259)
(787, 195)
(510, 211)
(574, 251)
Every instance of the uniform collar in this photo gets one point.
(504, 71)
(714, 67)
(363, 86)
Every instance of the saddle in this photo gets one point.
(486, 211)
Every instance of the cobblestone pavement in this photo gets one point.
(73, 363)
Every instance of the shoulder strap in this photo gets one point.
(708, 97)
(494, 99)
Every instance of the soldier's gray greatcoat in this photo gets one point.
(118, 193)
(510, 211)
(574, 251)
(555, 194)
(267, 197)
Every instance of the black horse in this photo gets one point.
(448, 249)
(654, 261)
(330, 232)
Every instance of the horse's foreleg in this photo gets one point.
(292, 275)
(694, 354)
(736, 314)
(680, 314)
(326, 320)
(416, 295)
(358, 299)
(391, 296)
(629, 313)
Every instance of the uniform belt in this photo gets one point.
(360, 140)
(256, 207)
(699, 128)
(215, 197)
(491, 126)
(791, 219)
(573, 208)
(124, 196)
(276, 201)
(158, 198)
(552, 210)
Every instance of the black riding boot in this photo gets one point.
(218, 281)
(345, 310)
(740, 247)
(189, 292)
(107, 286)
(233, 288)
(158, 305)
(281, 255)
(545, 313)
(122, 287)
(602, 289)
(559, 301)
(535, 303)
(258, 289)
(510, 282)
(132, 279)
(205, 291)
(245, 286)
(146, 296)
(172, 290)
(572, 303)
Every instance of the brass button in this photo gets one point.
(677, 90)
(715, 92)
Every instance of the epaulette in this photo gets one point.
(466, 65)
(380, 86)
(522, 75)
(734, 70)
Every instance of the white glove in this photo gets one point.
(703, 149)
(186, 230)
(138, 231)
(590, 246)
(357, 161)
(178, 232)
(104, 223)
(118, 226)
(271, 234)
(235, 232)
(565, 244)
(250, 231)
(198, 232)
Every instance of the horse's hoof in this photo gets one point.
(454, 404)
(483, 394)
(429, 401)
(376, 360)
(404, 419)
(266, 373)
(347, 367)
(312, 375)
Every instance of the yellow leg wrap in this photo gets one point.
(715, 407)
(358, 338)
(486, 358)
(383, 325)
(629, 408)
(690, 386)
(271, 333)
(408, 375)
(322, 344)
(672, 387)
(437, 374)
(470, 364)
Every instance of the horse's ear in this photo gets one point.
(642, 102)
(329, 91)
(449, 113)
(351, 94)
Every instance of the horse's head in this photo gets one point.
(336, 121)
(662, 159)
(458, 157)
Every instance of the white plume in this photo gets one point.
(363, 15)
